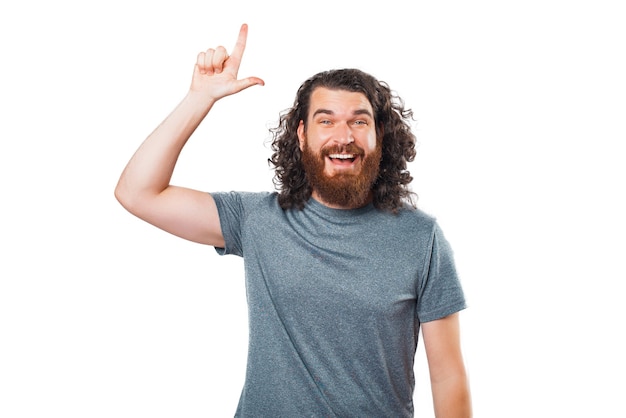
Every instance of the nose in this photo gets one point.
(343, 134)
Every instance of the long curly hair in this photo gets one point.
(390, 190)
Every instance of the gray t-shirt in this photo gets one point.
(335, 299)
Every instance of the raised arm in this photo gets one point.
(144, 187)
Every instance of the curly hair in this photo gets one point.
(390, 189)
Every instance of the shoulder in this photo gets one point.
(410, 216)
(245, 198)
(423, 226)
(418, 214)
(245, 203)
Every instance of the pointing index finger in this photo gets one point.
(240, 45)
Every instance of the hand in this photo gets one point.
(215, 72)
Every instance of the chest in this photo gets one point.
(334, 272)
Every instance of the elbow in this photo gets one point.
(137, 201)
(123, 196)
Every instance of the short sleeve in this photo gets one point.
(440, 293)
(231, 212)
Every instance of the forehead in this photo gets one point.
(338, 102)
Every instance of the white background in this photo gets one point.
(520, 116)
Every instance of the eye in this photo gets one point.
(325, 122)
(360, 122)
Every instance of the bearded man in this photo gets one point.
(375, 120)
(342, 270)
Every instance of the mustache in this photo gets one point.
(342, 149)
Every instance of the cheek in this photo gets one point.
(370, 141)
(316, 139)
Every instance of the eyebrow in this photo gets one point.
(330, 112)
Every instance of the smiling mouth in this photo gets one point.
(342, 158)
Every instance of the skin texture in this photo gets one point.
(448, 378)
(339, 119)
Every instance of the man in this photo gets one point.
(341, 272)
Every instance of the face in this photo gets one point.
(340, 151)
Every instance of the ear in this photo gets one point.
(301, 135)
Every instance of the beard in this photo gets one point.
(349, 190)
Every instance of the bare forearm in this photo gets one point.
(150, 169)
(452, 398)
(144, 186)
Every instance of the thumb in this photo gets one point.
(244, 83)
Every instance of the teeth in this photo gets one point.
(341, 156)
